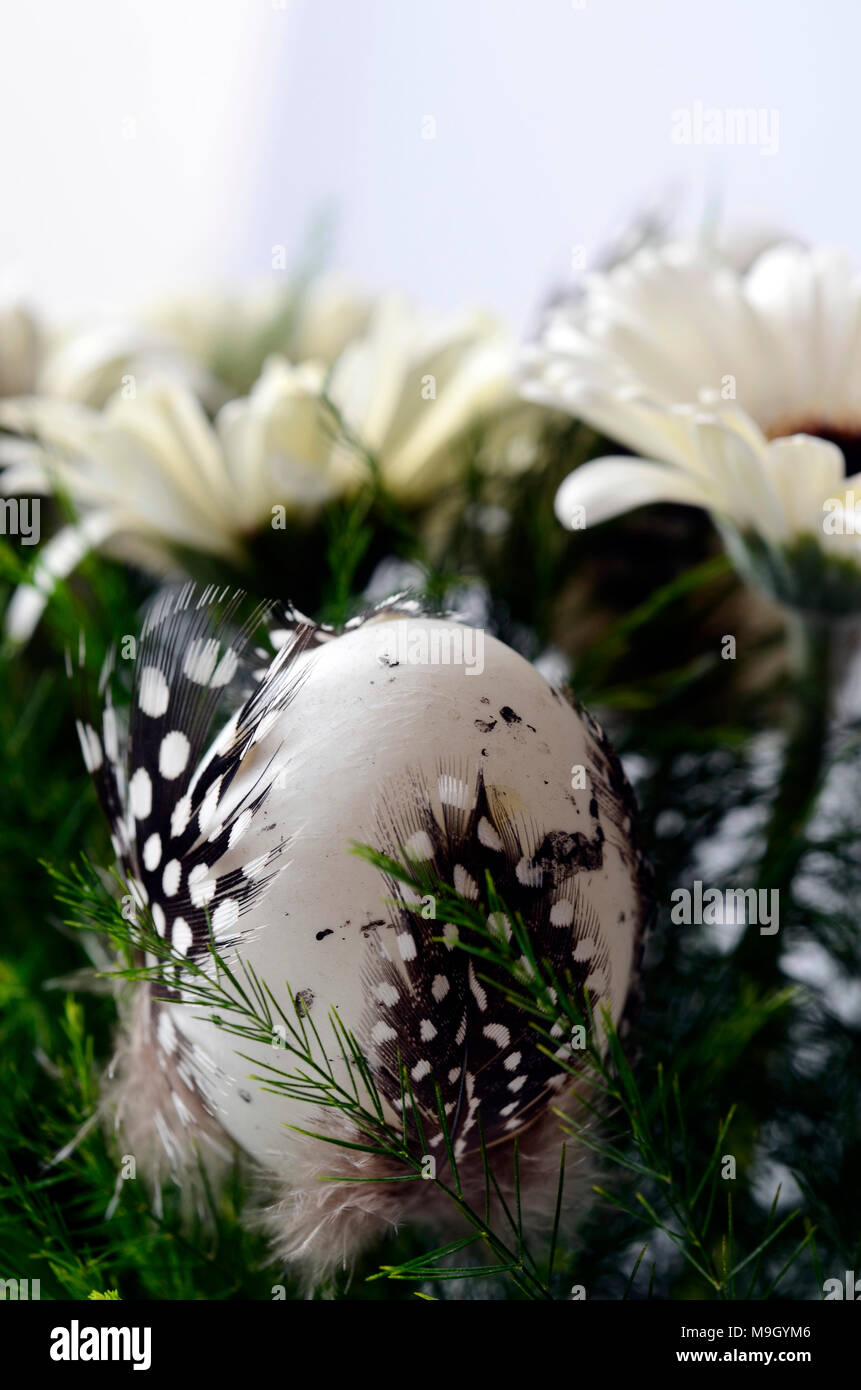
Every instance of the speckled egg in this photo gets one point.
(425, 739)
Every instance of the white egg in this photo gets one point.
(429, 741)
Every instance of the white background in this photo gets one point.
(553, 124)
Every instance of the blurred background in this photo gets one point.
(461, 151)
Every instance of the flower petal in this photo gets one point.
(805, 471)
(57, 559)
(606, 487)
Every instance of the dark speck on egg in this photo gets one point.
(509, 716)
(367, 927)
(304, 1000)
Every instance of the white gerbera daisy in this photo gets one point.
(742, 394)
(214, 343)
(89, 363)
(150, 474)
(413, 388)
(231, 333)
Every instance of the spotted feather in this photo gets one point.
(170, 803)
(448, 1027)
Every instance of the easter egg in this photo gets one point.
(437, 746)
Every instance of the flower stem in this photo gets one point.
(798, 788)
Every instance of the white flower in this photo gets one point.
(413, 389)
(152, 474)
(89, 364)
(232, 333)
(741, 393)
(215, 344)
